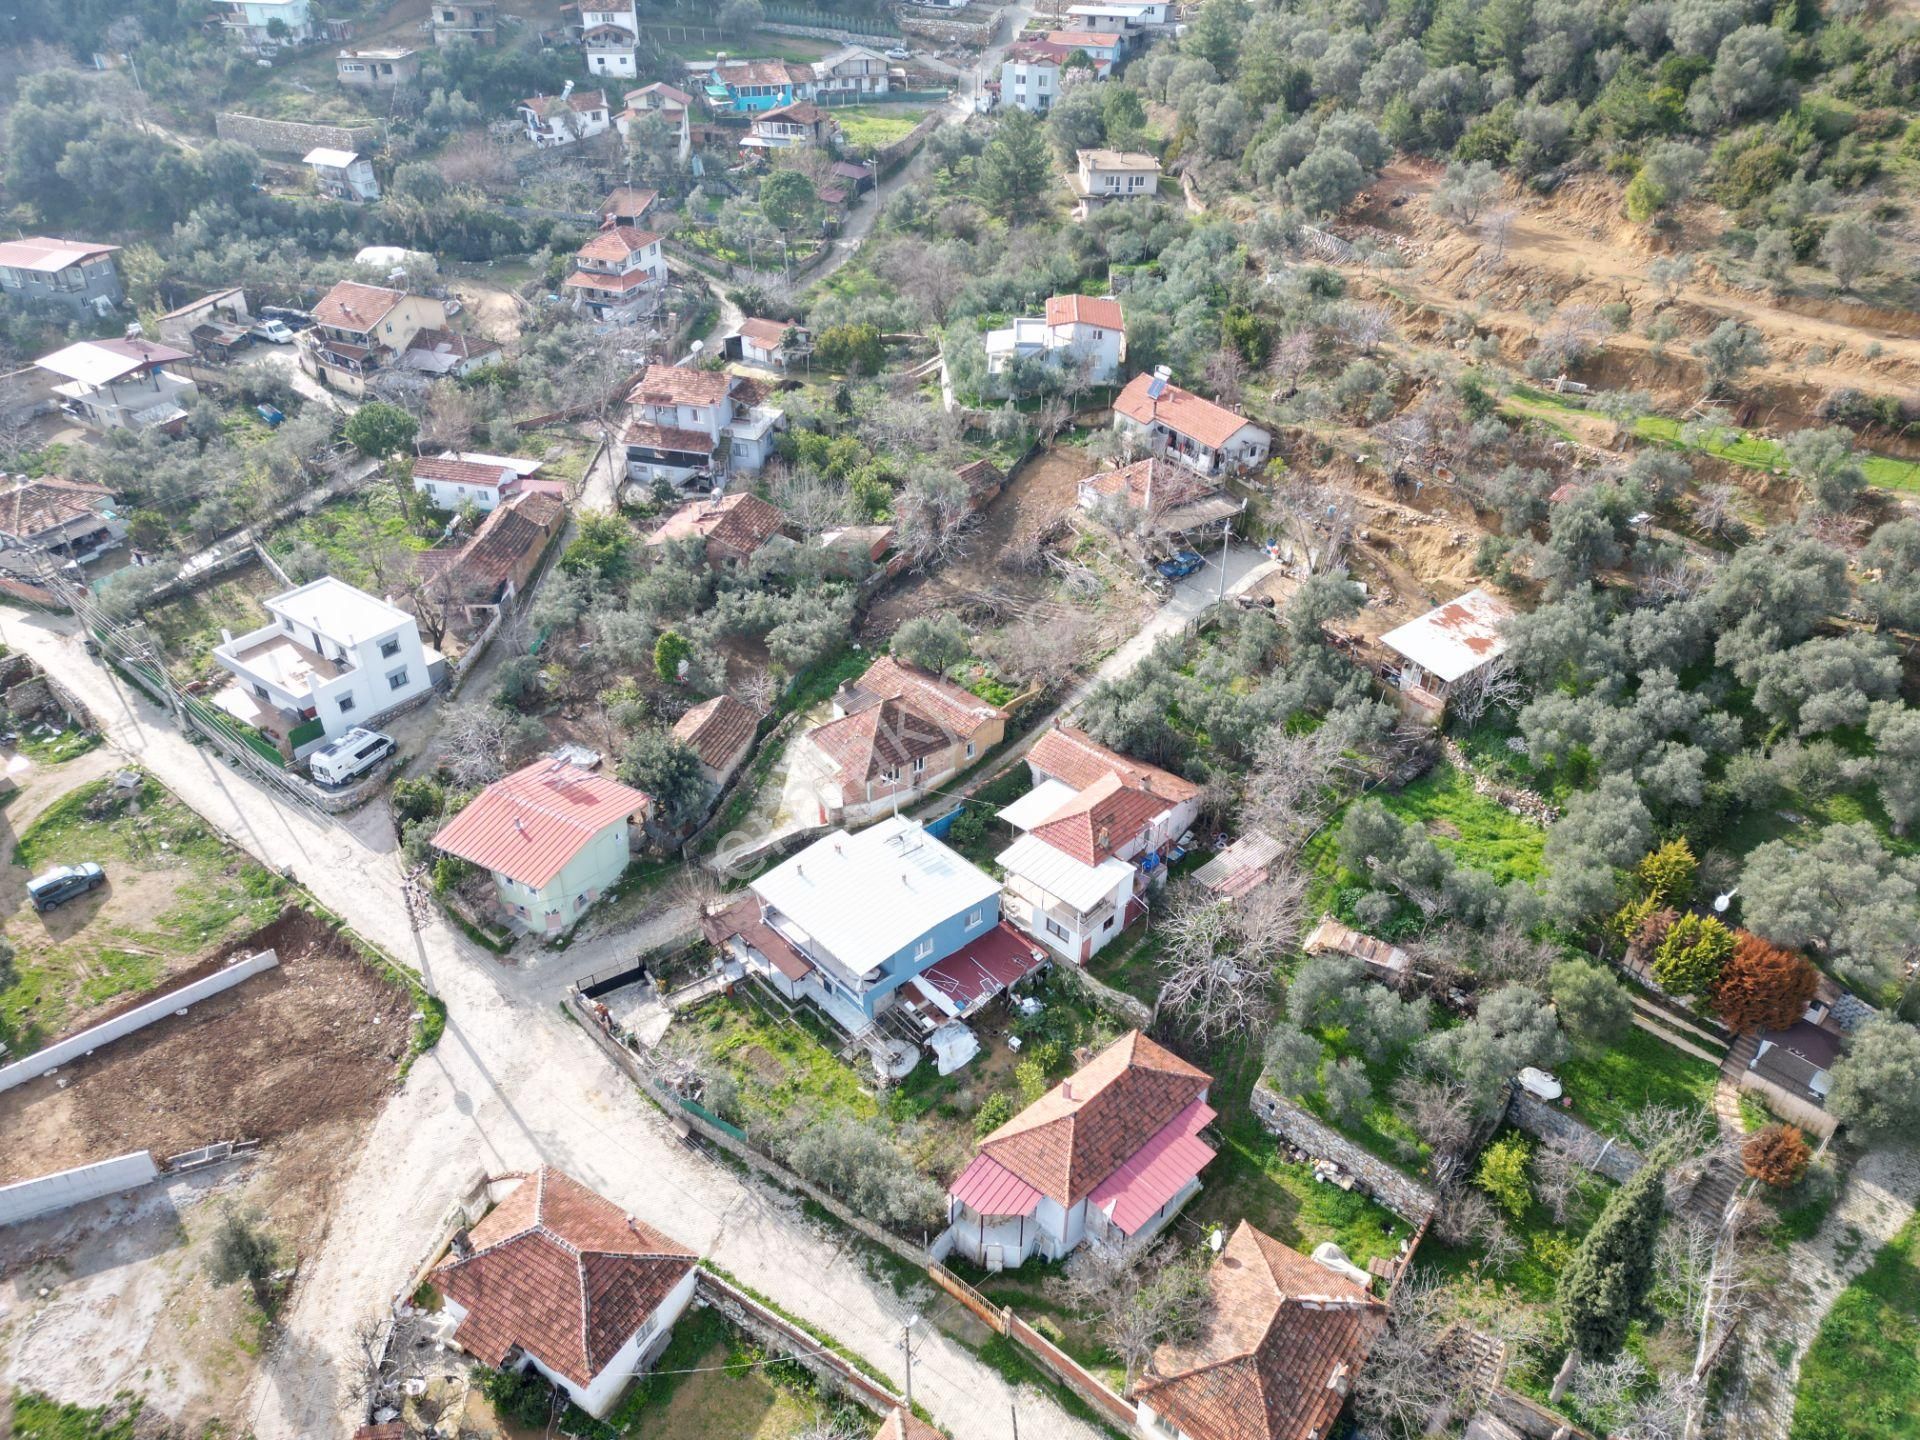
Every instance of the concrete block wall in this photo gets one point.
(1391, 1186)
(46, 1193)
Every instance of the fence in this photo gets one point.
(828, 20)
(46, 1193)
(1788, 1106)
(107, 1031)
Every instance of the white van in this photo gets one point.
(350, 757)
(275, 332)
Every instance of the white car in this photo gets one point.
(274, 332)
(899, 52)
(350, 756)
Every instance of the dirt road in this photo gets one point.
(511, 1084)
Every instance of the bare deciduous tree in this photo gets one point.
(1491, 687)
(473, 737)
(1218, 963)
(1290, 359)
(1138, 1301)
(1363, 326)
(1496, 229)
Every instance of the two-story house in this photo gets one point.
(1103, 47)
(1166, 420)
(895, 733)
(377, 69)
(343, 174)
(618, 273)
(670, 105)
(77, 274)
(1082, 332)
(610, 35)
(689, 423)
(566, 118)
(554, 836)
(465, 22)
(121, 384)
(801, 123)
(851, 70)
(1030, 75)
(1095, 832)
(750, 86)
(1114, 175)
(357, 329)
(1128, 17)
(329, 654)
(268, 22)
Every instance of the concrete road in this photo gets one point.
(512, 1084)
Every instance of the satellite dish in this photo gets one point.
(698, 346)
(1721, 902)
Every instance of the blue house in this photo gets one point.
(862, 914)
(751, 86)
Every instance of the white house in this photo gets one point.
(329, 653)
(1131, 18)
(1166, 420)
(610, 34)
(343, 174)
(1030, 75)
(1114, 175)
(453, 482)
(671, 105)
(1081, 331)
(618, 274)
(386, 69)
(1095, 833)
(558, 1279)
(566, 118)
(687, 422)
(851, 70)
(1110, 1154)
(789, 126)
(554, 836)
(1450, 642)
(263, 22)
(764, 342)
(121, 384)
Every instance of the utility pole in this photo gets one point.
(1226, 538)
(906, 1349)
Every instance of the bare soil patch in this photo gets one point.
(311, 1042)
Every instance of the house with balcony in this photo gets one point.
(121, 384)
(1444, 647)
(1096, 832)
(343, 174)
(68, 520)
(790, 126)
(268, 22)
(1163, 419)
(330, 657)
(1103, 47)
(674, 107)
(465, 22)
(618, 274)
(377, 69)
(1109, 1155)
(747, 87)
(1076, 332)
(851, 70)
(359, 329)
(704, 424)
(1030, 75)
(567, 118)
(610, 36)
(1101, 175)
(78, 275)
(895, 734)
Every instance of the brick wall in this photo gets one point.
(291, 137)
(1391, 1186)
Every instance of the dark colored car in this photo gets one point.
(60, 884)
(1181, 565)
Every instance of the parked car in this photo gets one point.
(272, 414)
(1183, 564)
(350, 756)
(60, 884)
(899, 52)
(274, 332)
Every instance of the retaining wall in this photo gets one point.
(1391, 1186)
(46, 1193)
(780, 1334)
(291, 137)
(74, 1046)
(1788, 1106)
(1615, 1159)
(1128, 1009)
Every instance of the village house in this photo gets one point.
(627, 205)
(498, 560)
(789, 126)
(766, 342)
(853, 918)
(1114, 175)
(330, 657)
(558, 1279)
(850, 70)
(618, 274)
(1095, 831)
(566, 118)
(689, 423)
(440, 352)
(719, 732)
(121, 384)
(750, 86)
(554, 836)
(610, 35)
(1440, 649)
(1110, 1154)
(1128, 17)
(1030, 75)
(895, 733)
(1076, 332)
(734, 527)
(1103, 48)
(377, 69)
(1157, 496)
(226, 309)
(465, 22)
(66, 520)
(675, 108)
(77, 274)
(452, 483)
(343, 174)
(1278, 1353)
(1166, 420)
(267, 22)
(357, 329)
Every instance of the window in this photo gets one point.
(919, 764)
(1054, 927)
(346, 704)
(923, 947)
(973, 918)
(890, 774)
(1107, 924)
(969, 749)
(261, 692)
(397, 679)
(390, 646)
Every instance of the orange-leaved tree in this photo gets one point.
(1776, 1156)
(1762, 986)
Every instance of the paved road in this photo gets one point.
(512, 1084)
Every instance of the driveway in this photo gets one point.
(512, 1084)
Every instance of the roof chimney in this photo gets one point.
(1066, 1088)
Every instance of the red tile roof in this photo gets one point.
(1181, 411)
(529, 825)
(765, 334)
(1075, 758)
(559, 1272)
(1103, 311)
(740, 522)
(353, 306)
(33, 507)
(717, 730)
(681, 385)
(505, 538)
(980, 475)
(449, 471)
(957, 708)
(1084, 1129)
(635, 279)
(903, 1424)
(665, 91)
(1153, 484)
(736, 73)
(667, 437)
(801, 112)
(629, 201)
(616, 242)
(869, 742)
(1282, 1345)
(580, 101)
(1101, 819)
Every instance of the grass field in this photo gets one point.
(1608, 1082)
(1474, 830)
(1861, 1378)
(781, 1068)
(189, 626)
(876, 126)
(351, 533)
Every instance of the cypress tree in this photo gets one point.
(1613, 1269)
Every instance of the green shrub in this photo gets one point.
(995, 1112)
(1503, 1174)
(523, 1396)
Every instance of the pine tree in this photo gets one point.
(1610, 1274)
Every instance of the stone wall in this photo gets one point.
(1391, 1186)
(781, 1335)
(291, 137)
(1615, 1159)
(1125, 1008)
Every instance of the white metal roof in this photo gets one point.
(1456, 638)
(868, 895)
(337, 159)
(1038, 804)
(519, 464)
(1062, 876)
(338, 611)
(97, 362)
